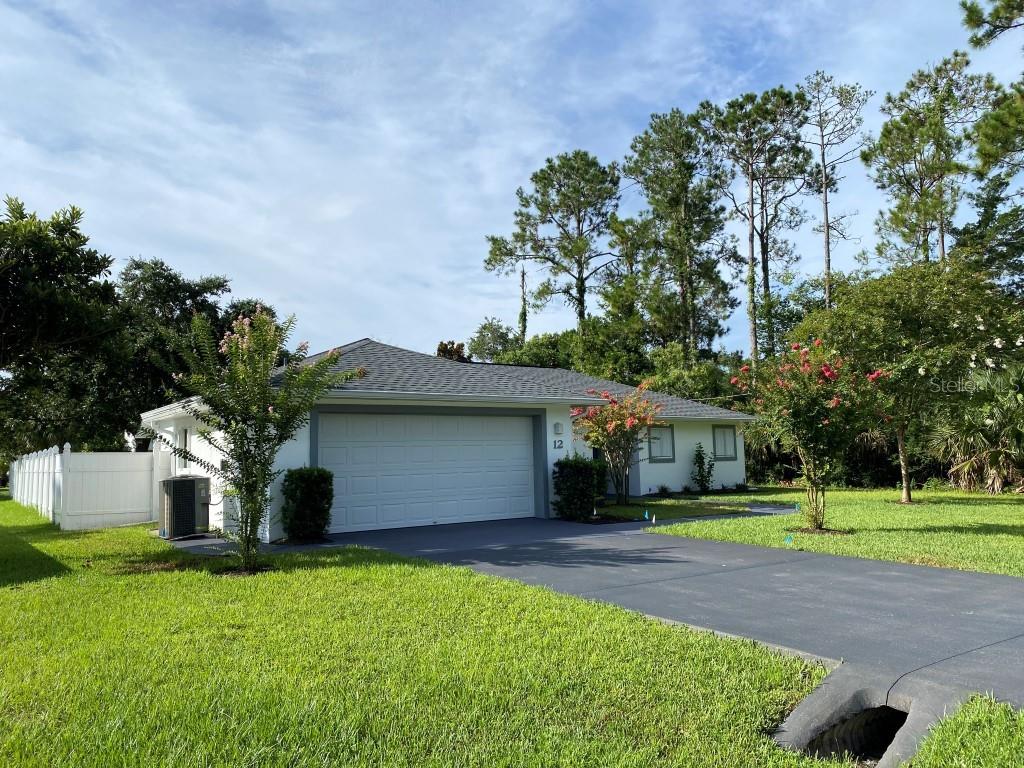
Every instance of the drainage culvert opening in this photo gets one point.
(865, 736)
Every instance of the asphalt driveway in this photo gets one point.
(909, 629)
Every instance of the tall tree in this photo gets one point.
(999, 133)
(752, 133)
(920, 158)
(834, 120)
(682, 180)
(54, 291)
(562, 224)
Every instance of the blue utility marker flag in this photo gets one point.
(647, 515)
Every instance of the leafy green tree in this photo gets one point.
(682, 181)
(453, 350)
(675, 373)
(832, 132)
(920, 158)
(925, 327)
(249, 408)
(756, 135)
(810, 401)
(562, 225)
(492, 339)
(545, 350)
(994, 239)
(54, 291)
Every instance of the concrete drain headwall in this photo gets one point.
(856, 711)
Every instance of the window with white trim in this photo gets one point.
(661, 446)
(724, 442)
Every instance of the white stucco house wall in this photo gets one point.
(421, 440)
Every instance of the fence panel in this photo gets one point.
(85, 490)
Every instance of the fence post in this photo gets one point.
(63, 486)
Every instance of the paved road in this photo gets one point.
(907, 628)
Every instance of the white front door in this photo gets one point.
(397, 470)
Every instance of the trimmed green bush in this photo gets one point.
(703, 469)
(578, 481)
(308, 495)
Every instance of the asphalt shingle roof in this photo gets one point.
(400, 371)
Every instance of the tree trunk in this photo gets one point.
(581, 301)
(522, 306)
(751, 270)
(691, 308)
(901, 445)
(766, 289)
(826, 225)
(684, 326)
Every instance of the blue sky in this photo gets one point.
(345, 161)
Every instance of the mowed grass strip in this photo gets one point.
(982, 734)
(674, 508)
(968, 531)
(119, 651)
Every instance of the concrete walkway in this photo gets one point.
(906, 635)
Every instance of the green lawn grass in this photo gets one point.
(983, 734)
(117, 650)
(674, 508)
(975, 532)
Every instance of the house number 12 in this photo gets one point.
(559, 444)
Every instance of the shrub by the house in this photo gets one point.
(577, 482)
(308, 495)
(703, 469)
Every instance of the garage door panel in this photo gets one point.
(363, 485)
(393, 470)
(362, 455)
(363, 515)
(392, 513)
(356, 427)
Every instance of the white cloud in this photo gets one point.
(346, 163)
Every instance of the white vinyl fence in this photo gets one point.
(85, 490)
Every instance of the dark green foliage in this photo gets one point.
(703, 469)
(54, 291)
(986, 25)
(453, 350)
(492, 340)
(545, 350)
(308, 495)
(577, 482)
(561, 225)
(921, 157)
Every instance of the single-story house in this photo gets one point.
(423, 440)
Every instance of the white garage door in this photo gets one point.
(392, 471)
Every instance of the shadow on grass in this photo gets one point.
(227, 563)
(21, 562)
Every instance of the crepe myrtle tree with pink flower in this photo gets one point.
(814, 404)
(615, 429)
(248, 407)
